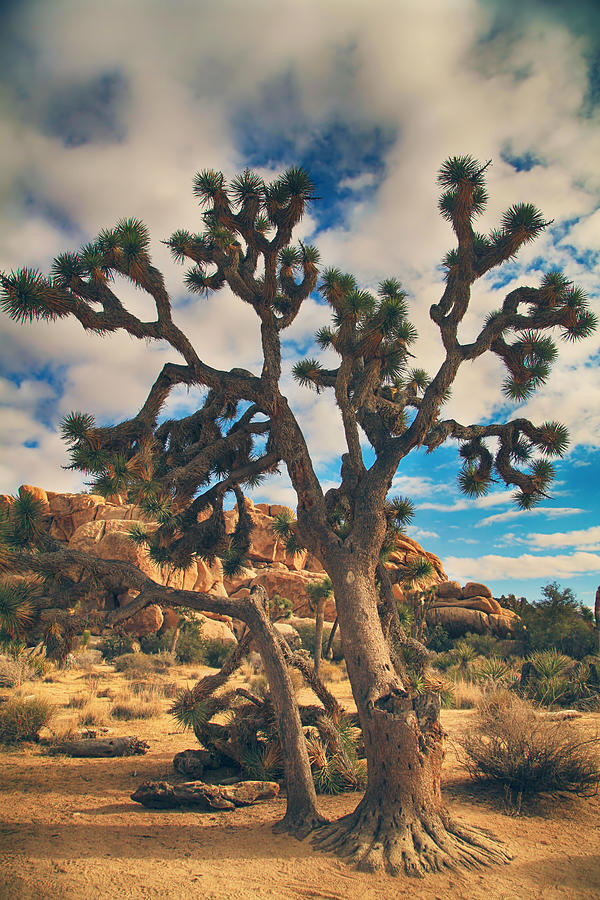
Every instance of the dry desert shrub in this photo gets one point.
(22, 717)
(513, 745)
(134, 665)
(93, 712)
(464, 694)
(15, 669)
(331, 672)
(143, 705)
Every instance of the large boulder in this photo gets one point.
(265, 546)
(292, 585)
(475, 589)
(215, 630)
(458, 620)
(147, 621)
(449, 590)
(109, 539)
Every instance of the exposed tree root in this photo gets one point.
(300, 824)
(411, 841)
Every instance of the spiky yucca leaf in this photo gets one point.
(296, 183)
(583, 327)
(28, 295)
(521, 450)
(234, 561)
(307, 372)
(391, 289)
(208, 184)
(310, 255)
(393, 364)
(473, 482)
(189, 712)
(28, 519)
(325, 337)
(458, 169)
(17, 605)
(525, 220)
(319, 590)
(65, 267)
(195, 280)
(247, 187)
(517, 390)
(75, 426)
(553, 439)
(536, 347)
(138, 534)
(556, 281)
(399, 511)
(290, 257)
(418, 569)
(179, 244)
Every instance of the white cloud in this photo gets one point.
(526, 566)
(420, 534)
(185, 96)
(550, 512)
(497, 498)
(583, 539)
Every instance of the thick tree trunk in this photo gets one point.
(301, 815)
(400, 823)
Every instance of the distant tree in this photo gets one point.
(557, 621)
(181, 470)
(319, 593)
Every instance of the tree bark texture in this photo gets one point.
(301, 815)
(400, 824)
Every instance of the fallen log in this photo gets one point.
(101, 747)
(162, 795)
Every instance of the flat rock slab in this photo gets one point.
(162, 795)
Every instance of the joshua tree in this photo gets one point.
(181, 470)
(319, 594)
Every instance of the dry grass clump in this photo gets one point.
(143, 705)
(514, 746)
(93, 712)
(156, 687)
(461, 694)
(22, 717)
(78, 701)
(331, 672)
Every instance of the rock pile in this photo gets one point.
(90, 523)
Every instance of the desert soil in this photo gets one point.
(69, 830)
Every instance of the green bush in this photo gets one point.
(190, 644)
(22, 717)
(158, 643)
(116, 645)
(439, 640)
(215, 653)
(514, 746)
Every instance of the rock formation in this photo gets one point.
(90, 523)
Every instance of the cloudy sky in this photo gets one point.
(109, 109)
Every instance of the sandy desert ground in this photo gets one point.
(69, 830)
